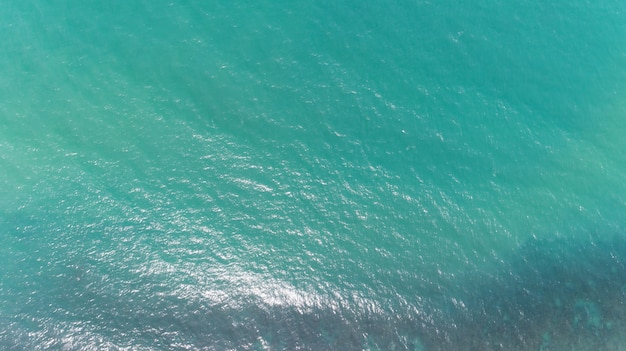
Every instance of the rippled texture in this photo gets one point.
(326, 176)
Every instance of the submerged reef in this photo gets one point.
(552, 295)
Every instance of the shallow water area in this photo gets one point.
(328, 176)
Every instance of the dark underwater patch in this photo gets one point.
(552, 295)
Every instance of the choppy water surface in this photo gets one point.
(324, 176)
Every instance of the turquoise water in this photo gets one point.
(202, 175)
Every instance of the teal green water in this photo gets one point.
(203, 175)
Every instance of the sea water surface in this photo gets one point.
(320, 175)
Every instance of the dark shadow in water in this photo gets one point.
(553, 295)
